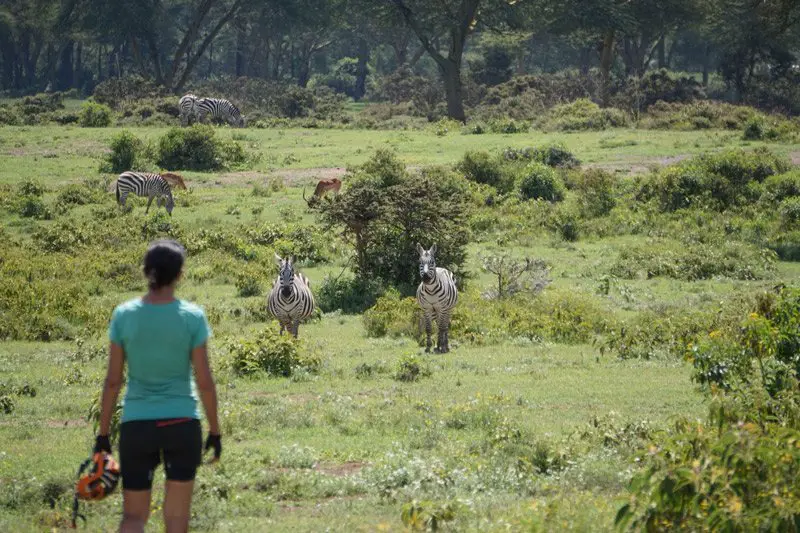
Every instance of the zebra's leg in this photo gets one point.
(428, 328)
(283, 326)
(444, 329)
(122, 198)
(440, 334)
(295, 328)
(149, 201)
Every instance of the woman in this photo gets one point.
(161, 339)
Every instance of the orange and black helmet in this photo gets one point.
(100, 480)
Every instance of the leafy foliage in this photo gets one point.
(277, 355)
(197, 148)
(94, 115)
(385, 211)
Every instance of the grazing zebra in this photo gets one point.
(437, 296)
(150, 185)
(290, 299)
(221, 109)
(188, 107)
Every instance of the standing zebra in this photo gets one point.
(188, 107)
(290, 299)
(221, 109)
(150, 185)
(437, 296)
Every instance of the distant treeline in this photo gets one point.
(750, 47)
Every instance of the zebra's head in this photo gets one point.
(170, 204)
(240, 123)
(427, 263)
(286, 274)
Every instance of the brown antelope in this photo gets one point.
(174, 180)
(323, 187)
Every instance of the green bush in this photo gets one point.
(94, 115)
(716, 477)
(9, 116)
(582, 115)
(394, 316)
(693, 262)
(481, 167)
(778, 188)
(411, 368)
(595, 189)
(277, 355)
(697, 115)
(248, 284)
(385, 211)
(789, 211)
(76, 194)
(30, 188)
(128, 152)
(33, 207)
(720, 181)
(541, 182)
(197, 148)
(351, 295)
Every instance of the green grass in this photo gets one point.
(57, 154)
(321, 452)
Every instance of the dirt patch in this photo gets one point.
(74, 423)
(290, 176)
(639, 166)
(340, 469)
(795, 157)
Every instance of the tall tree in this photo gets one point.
(450, 21)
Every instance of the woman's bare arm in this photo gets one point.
(112, 386)
(205, 384)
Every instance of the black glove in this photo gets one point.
(102, 444)
(214, 441)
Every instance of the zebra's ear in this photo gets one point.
(291, 259)
(420, 249)
(278, 259)
(433, 249)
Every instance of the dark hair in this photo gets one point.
(163, 262)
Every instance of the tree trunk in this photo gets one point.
(586, 58)
(606, 59)
(706, 54)
(361, 69)
(65, 76)
(451, 72)
(662, 52)
(79, 67)
(241, 42)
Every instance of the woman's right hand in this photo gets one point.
(214, 441)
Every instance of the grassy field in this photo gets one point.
(346, 448)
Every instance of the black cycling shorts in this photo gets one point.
(142, 443)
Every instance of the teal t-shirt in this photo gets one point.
(158, 340)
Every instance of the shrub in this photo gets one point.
(481, 167)
(248, 284)
(33, 207)
(351, 295)
(540, 182)
(720, 180)
(75, 194)
(638, 94)
(789, 211)
(30, 188)
(128, 152)
(730, 259)
(116, 92)
(746, 480)
(9, 116)
(197, 148)
(392, 315)
(385, 211)
(595, 191)
(277, 355)
(782, 186)
(581, 115)
(411, 368)
(94, 115)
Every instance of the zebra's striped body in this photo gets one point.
(145, 184)
(220, 109)
(290, 299)
(437, 296)
(188, 108)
